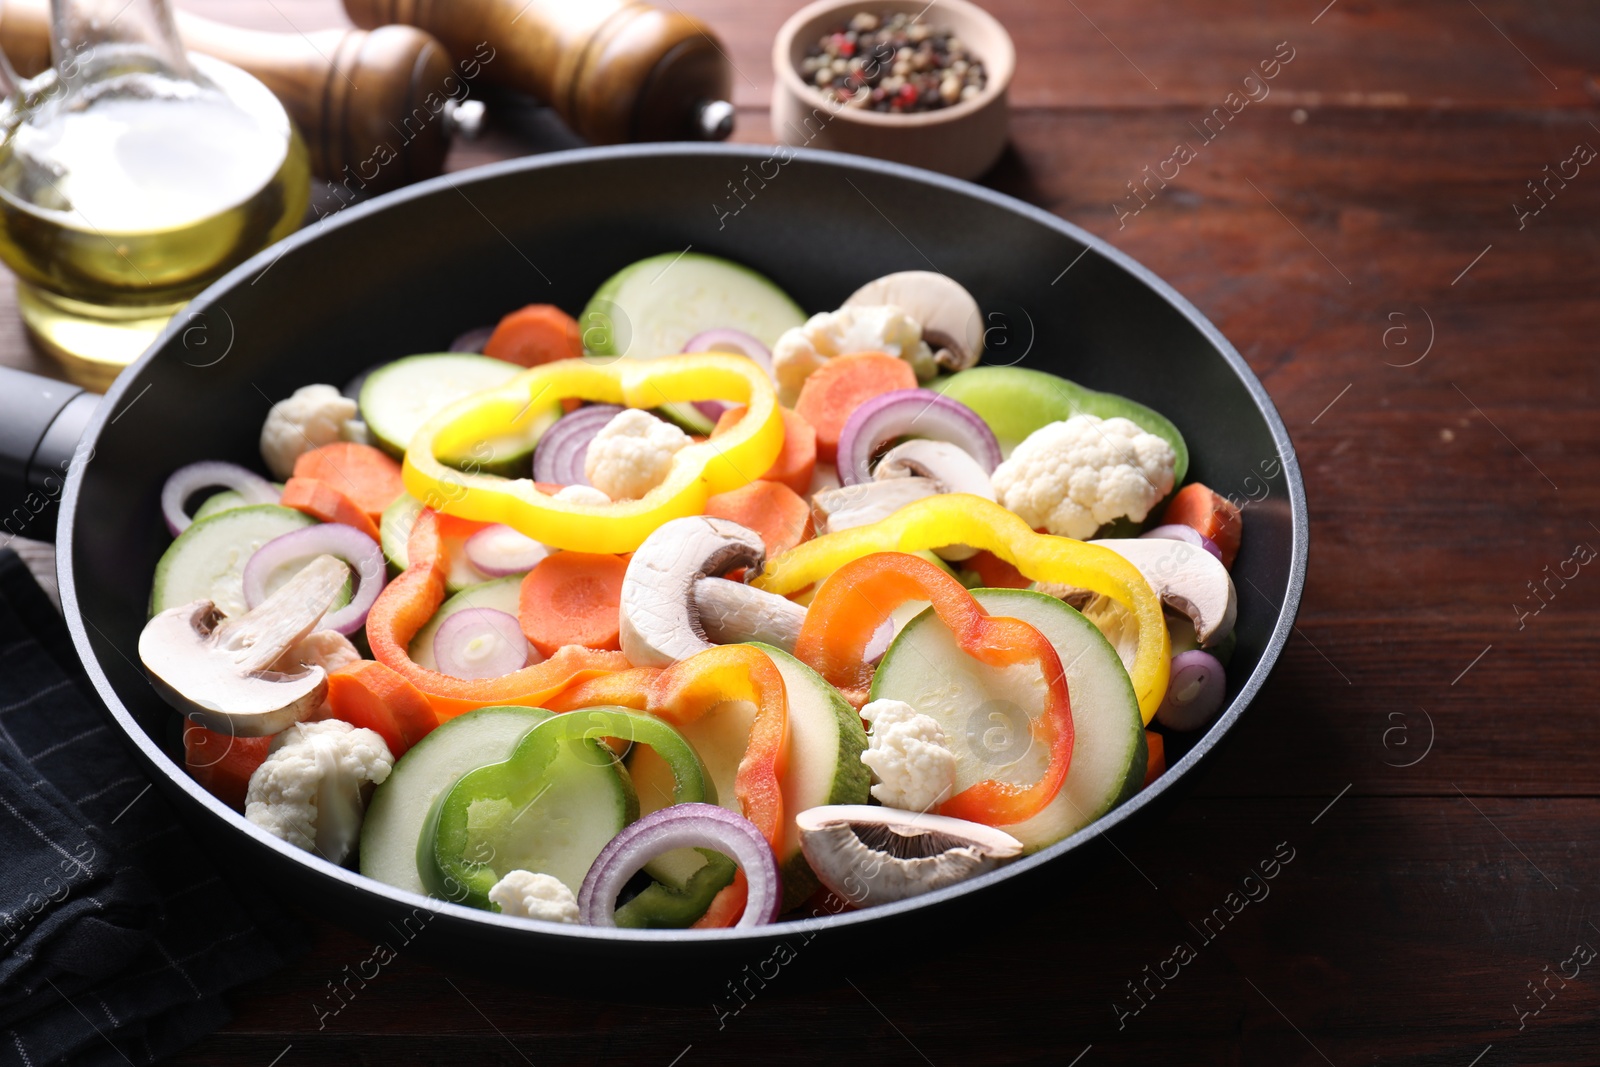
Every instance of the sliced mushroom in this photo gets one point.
(871, 855)
(952, 469)
(221, 672)
(866, 502)
(952, 324)
(674, 605)
(1185, 577)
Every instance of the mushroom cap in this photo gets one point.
(660, 620)
(1186, 577)
(208, 685)
(952, 323)
(950, 466)
(875, 855)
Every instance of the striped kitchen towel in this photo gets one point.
(118, 935)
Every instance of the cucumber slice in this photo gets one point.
(826, 740)
(400, 806)
(983, 710)
(394, 531)
(686, 417)
(652, 307)
(207, 560)
(217, 503)
(500, 594)
(226, 500)
(1015, 401)
(397, 398)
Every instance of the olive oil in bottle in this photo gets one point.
(132, 176)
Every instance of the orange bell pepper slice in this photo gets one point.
(853, 602)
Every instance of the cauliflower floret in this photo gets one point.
(911, 766)
(582, 494)
(535, 896)
(871, 328)
(314, 416)
(1075, 476)
(312, 788)
(632, 454)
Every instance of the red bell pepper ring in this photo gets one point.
(624, 689)
(407, 603)
(853, 602)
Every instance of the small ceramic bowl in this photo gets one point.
(963, 140)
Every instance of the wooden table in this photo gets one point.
(1425, 751)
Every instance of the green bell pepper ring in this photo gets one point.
(660, 905)
(456, 854)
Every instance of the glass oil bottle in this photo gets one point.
(132, 175)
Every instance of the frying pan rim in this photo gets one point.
(157, 761)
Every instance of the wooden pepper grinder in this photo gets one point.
(370, 105)
(615, 70)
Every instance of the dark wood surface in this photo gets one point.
(1426, 751)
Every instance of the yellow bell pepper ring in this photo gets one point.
(963, 519)
(736, 457)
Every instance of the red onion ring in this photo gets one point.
(498, 551)
(736, 341)
(1195, 691)
(739, 343)
(1180, 532)
(558, 458)
(480, 643)
(911, 413)
(184, 482)
(335, 539)
(472, 341)
(690, 825)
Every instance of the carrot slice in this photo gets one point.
(994, 572)
(1213, 514)
(538, 333)
(369, 694)
(779, 514)
(572, 598)
(1156, 765)
(798, 459)
(370, 478)
(222, 763)
(322, 501)
(833, 392)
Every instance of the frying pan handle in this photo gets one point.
(41, 423)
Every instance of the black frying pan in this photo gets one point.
(409, 271)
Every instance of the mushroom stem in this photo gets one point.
(866, 502)
(674, 605)
(731, 612)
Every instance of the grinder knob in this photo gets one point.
(615, 70)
